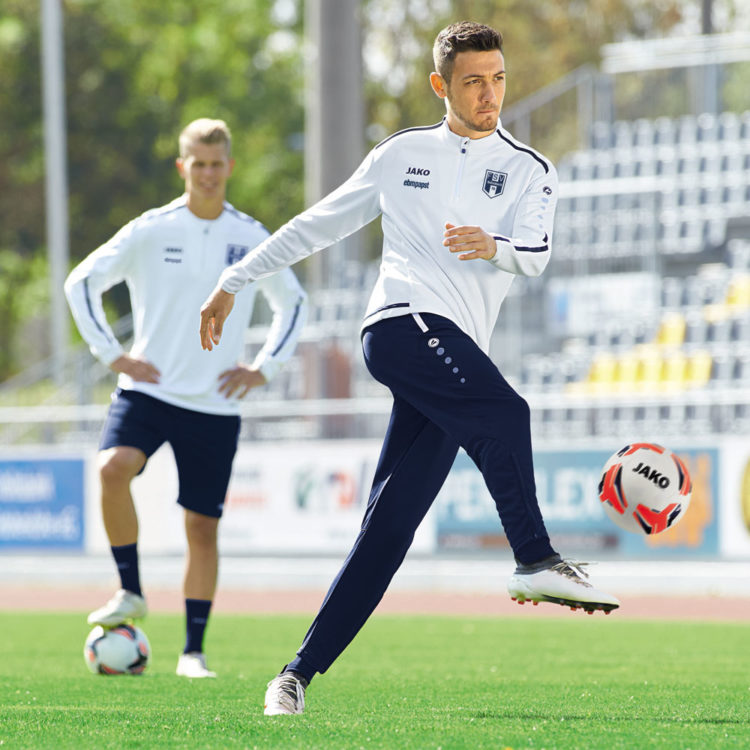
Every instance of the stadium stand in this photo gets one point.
(661, 197)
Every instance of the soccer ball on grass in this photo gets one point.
(645, 488)
(123, 649)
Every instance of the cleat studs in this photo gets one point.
(514, 598)
(536, 603)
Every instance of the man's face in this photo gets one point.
(206, 170)
(475, 93)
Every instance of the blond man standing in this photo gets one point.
(169, 389)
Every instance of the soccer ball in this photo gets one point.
(123, 649)
(645, 488)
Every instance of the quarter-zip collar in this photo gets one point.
(469, 145)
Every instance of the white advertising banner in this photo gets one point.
(284, 498)
(302, 497)
(735, 499)
(309, 498)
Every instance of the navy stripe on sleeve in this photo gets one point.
(540, 249)
(525, 150)
(388, 307)
(91, 309)
(289, 330)
(410, 130)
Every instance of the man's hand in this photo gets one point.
(214, 312)
(140, 370)
(473, 242)
(240, 380)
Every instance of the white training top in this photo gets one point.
(419, 179)
(170, 260)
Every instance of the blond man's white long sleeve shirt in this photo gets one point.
(170, 259)
(419, 179)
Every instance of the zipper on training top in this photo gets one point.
(462, 161)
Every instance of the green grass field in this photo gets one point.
(405, 682)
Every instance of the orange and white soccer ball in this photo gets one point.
(123, 649)
(645, 488)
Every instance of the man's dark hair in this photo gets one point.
(463, 36)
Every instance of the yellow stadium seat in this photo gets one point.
(626, 372)
(601, 374)
(738, 294)
(672, 330)
(698, 371)
(674, 372)
(649, 369)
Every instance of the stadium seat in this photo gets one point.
(672, 330)
(698, 369)
(696, 328)
(728, 127)
(674, 372)
(707, 127)
(741, 371)
(721, 371)
(719, 327)
(601, 376)
(738, 294)
(625, 376)
(650, 365)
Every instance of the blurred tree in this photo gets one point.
(136, 73)
(542, 42)
(24, 295)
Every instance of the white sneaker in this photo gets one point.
(124, 605)
(193, 665)
(285, 695)
(562, 582)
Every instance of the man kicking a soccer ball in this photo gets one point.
(169, 390)
(465, 208)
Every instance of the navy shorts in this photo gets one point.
(203, 444)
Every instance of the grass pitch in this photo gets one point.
(405, 682)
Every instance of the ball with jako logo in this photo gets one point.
(645, 488)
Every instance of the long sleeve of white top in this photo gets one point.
(288, 303)
(342, 212)
(527, 252)
(84, 287)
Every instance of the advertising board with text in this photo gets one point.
(41, 503)
(567, 489)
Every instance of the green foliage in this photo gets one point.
(405, 682)
(136, 73)
(24, 293)
(542, 42)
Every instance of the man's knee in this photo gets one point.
(118, 466)
(201, 530)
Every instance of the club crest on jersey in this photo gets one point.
(494, 183)
(236, 253)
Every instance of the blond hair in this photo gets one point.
(205, 130)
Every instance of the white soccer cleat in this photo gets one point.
(285, 695)
(562, 582)
(124, 605)
(193, 665)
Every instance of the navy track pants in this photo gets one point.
(447, 393)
